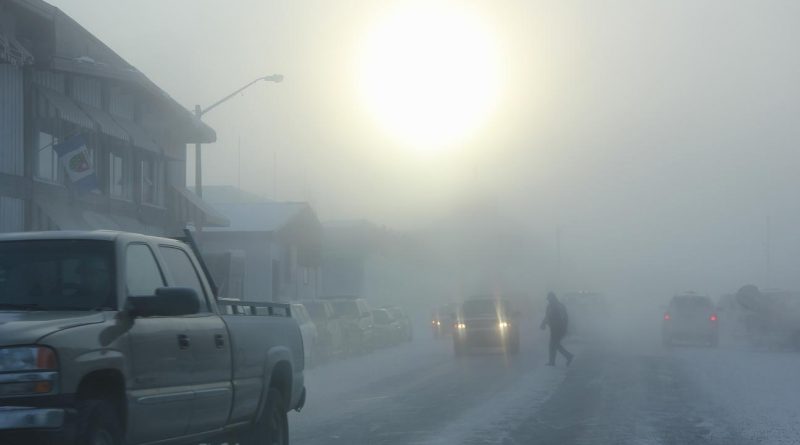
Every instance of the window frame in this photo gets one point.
(207, 309)
(128, 294)
(154, 165)
(126, 172)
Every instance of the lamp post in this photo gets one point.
(199, 113)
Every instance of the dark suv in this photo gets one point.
(690, 318)
(486, 323)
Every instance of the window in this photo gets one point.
(151, 180)
(183, 272)
(119, 176)
(57, 274)
(143, 275)
(47, 165)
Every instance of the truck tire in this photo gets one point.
(273, 426)
(98, 424)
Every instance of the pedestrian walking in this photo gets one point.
(557, 319)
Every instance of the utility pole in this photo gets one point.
(198, 155)
(198, 160)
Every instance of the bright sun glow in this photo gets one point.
(429, 76)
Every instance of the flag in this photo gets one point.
(77, 162)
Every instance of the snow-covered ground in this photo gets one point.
(623, 388)
(759, 390)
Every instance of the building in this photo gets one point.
(273, 248)
(362, 259)
(59, 84)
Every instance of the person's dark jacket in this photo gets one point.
(556, 317)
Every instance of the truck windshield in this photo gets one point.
(57, 275)
(381, 317)
(347, 309)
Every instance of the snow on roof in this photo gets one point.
(250, 212)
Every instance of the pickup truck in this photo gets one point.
(111, 338)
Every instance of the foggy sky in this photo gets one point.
(659, 136)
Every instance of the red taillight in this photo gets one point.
(713, 317)
(666, 317)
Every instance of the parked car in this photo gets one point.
(386, 329)
(443, 320)
(309, 332)
(406, 327)
(330, 333)
(118, 336)
(690, 318)
(486, 323)
(356, 318)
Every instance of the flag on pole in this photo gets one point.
(77, 162)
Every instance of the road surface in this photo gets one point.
(621, 389)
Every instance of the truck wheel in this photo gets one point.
(273, 426)
(98, 423)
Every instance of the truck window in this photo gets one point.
(142, 275)
(184, 274)
(57, 274)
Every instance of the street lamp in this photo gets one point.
(199, 113)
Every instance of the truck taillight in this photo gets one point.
(666, 316)
(713, 317)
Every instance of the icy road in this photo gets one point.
(621, 389)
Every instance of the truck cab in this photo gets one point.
(117, 337)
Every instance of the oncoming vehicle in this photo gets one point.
(690, 318)
(486, 323)
(443, 320)
(117, 338)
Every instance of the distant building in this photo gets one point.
(61, 87)
(362, 259)
(278, 245)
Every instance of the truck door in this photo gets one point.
(159, 399)
(211, 372)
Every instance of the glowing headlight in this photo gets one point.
(461, 326)
(28, 358)
(503, 325)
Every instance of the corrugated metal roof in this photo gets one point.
(67, 109)
(106, 123)
(139, 136)
(260, 217)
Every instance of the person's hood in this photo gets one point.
(27, 327)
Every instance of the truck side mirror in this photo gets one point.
(167, 302)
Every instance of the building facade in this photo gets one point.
(59, 82)
(271, 251)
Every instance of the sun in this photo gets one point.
(429, 75)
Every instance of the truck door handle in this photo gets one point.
(219, 341)
(183, 341)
